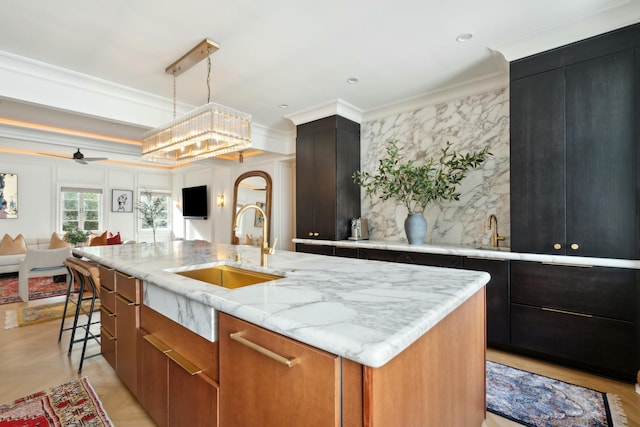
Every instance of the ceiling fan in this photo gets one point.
(78, 157)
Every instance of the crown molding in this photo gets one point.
(327, 109)
(621, 14)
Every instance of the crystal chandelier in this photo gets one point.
(207, 131)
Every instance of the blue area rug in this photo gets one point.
(538, 401)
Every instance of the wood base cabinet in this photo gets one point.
(177, 373)
(119, 314)
(270, 380)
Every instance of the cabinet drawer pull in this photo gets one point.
(109, 291)
(557, 246)
(567, 264)
(106, 334)
(184, 363)
(124, 300)
(155, 342)
(316, 234)
(106, 311)
(237, 336)
(555, 310)
(575, 246)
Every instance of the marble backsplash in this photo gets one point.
(470, 124)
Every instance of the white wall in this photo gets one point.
(40, 180)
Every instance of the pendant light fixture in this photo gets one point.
(207, 131)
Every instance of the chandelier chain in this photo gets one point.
(208, 79)
(174, 94)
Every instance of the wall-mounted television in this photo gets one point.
(194, 202)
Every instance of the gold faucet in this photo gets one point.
(265, 251)
(495, 238)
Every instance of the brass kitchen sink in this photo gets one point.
(229, 277)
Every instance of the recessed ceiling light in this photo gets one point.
(283, 106)
(464, 37)
(352, 80)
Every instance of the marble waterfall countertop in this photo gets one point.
(481, 252)
(365, 311)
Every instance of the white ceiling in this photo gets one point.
(294, 52)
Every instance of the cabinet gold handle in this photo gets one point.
(310, 234)
(106, 333)
(180, 360)
(124, 300)
(574, 246)
(183, 362)
(557, 246)
(107, 312)
(155, 342)
(572, 313)
(237, 336)
(316, 234)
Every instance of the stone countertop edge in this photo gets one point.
(499, 253)
(365, 311)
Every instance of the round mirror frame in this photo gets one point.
(267, 207)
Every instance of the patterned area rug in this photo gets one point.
(538, 401)
(33, 314)
(39, 287)
(71, 404)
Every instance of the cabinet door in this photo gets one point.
(538, 163)
(305, 185)
(258, 390)
(153, 372)
(498, 331)
(193, 397)
(601, 157)
(126, 348)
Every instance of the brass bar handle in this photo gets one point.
(567, 264)
(109, 291)
(183, 362)
(155, 342)
(573, 313)
(237, 336)
(106, 333)
(124, 300)
(106, 311)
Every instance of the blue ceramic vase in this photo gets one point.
(415, 226)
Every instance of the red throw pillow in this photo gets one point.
(114, 239)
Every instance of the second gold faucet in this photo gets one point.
(496, 238)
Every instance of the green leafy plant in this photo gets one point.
(151, 210)
(415, 185)
(75, 236)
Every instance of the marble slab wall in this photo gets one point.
(470, 124)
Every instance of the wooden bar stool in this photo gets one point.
(89, 293)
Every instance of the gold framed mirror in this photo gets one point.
(253, 187)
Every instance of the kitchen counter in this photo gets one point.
(499, 253)
(365, 311)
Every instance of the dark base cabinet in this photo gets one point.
(497, 291)
(605, 346)
(583, 317)
(433, 260)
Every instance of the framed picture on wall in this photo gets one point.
(121, 200)
(259, 220)
(8, 196)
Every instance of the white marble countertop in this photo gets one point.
(484, 252)
(365, 311)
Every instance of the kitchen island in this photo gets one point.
(408, 340)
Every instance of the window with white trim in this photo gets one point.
(81, 208)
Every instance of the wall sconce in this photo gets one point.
(220, 200)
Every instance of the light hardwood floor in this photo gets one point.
(32, 360)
